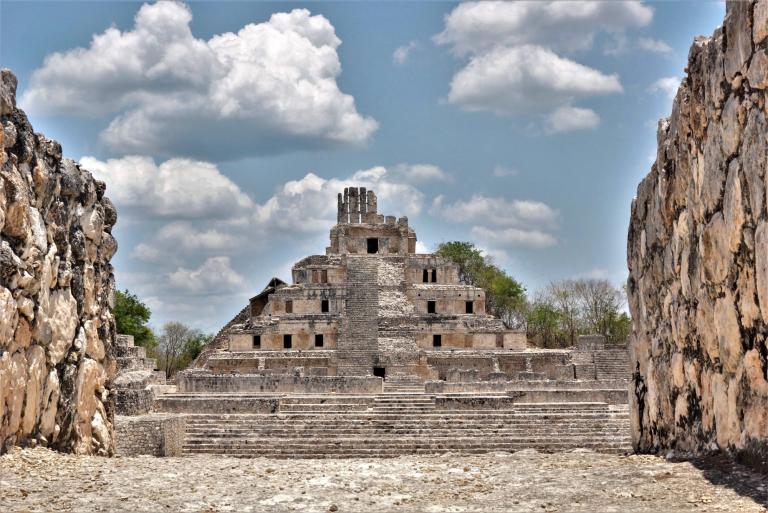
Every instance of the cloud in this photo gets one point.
(513, 237)
(653, 45)
(204, 212)
(177, 188)
(185, 238)
(214, 276)
(513, 62)
(500, 171)
(568, 119)
(420, 173)
(499, 223)
(402, 53)
(665, 85)
(494, 211)
(526, 79)
(477, 27)
(270, 87)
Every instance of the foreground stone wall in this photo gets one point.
(56, 293)
(154, 435)
(698, 253)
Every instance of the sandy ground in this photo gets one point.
(527, 481)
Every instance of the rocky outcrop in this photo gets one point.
(698, 253)
(56, 293)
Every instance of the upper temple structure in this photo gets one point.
(369, 306)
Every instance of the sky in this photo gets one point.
(224, 130)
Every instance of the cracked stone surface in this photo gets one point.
(698, 270)
(578, 481)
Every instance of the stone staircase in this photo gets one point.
(400, 384)
(358, 344)
(136, 375)
(612, 364)
(407, 424)
(404, 403)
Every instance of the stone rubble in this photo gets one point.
(698, 254)
(56, 293)
(525, 481)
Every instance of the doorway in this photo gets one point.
(379, 372)
(373, 245)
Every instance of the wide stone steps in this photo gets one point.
(327, 434)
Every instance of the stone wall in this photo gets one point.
(56, 293)
(698, 253)
(155, 435)
(203, 381)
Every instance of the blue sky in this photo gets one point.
(224, 129)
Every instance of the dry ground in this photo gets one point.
(579, 481)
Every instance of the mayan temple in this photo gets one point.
(375, 350)
(370, 306)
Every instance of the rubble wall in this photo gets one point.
(698, 253)
(56, 293)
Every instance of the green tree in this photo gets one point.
(131, 317)
(505, 296)
(543, 325)
(464, 254)
(193, 347)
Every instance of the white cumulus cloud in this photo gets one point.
(474, 27)
(402, 53)
(494, 210)
(513, 62)
(654, 45)
(568, 119)
(525, 79)
(267, 88)
(214, 276)
(177, 188)
(513, 237)
(665, 85)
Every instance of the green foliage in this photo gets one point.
(543, 324)
(569, 308)
(505, 296)
(193, 347)
(132, 316)
(179, 345)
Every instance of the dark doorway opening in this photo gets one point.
(318, 340)
(426, 276)
(257, 341)
(287, 341)
(437, 340)
(431, 305)
(324, 306)
(379, 372)
(434, 275)
(373, 245)
(470, 307)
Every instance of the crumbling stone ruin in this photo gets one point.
(698, 253)
(374, 350)
(56, 293)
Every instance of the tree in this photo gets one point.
(505, 296)
(543, 324)
(193, 347)
(600, 304)
(466, 256)
(562, 295)
(172, 343)
(131, 317)
(584, 306)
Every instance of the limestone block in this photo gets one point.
(758, 71)
(760, 21)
